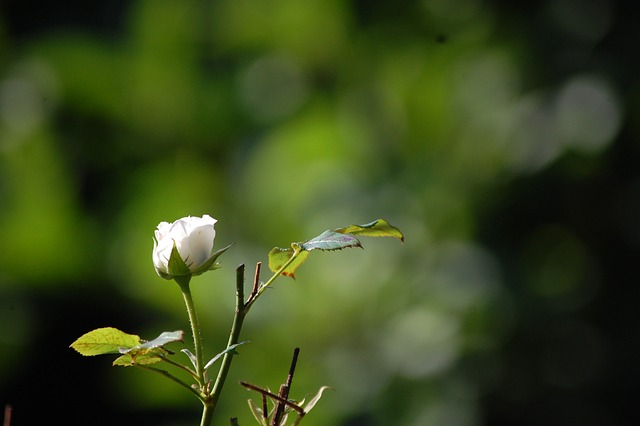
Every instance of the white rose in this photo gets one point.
(184, 247)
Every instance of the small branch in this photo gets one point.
(256, 282)
(292, 369)
(279, 411)
(180, 366)
(283, 393)
(263, 287)
(282, 398)
(239, 287)
(7, 415)
(265, 408)
(274, 397)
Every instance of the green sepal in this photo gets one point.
(176, 265)
(210, 263)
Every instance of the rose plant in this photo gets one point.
(183, 249)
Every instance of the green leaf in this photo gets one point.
(327, 241)
(257, 413)
(107, 340)
(337, 239)
(130, 359)
(149, 352)
(377, 228)
(191, 356)
(312, 403)
(278, 257)
(231, 348)
(163, 339)
(331, 240)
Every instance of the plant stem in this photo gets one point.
(195, 329)
(263, 287)
(234, 336)
(210, 399)
(180, 366)
(207, 414)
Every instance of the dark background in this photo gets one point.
(501, 137)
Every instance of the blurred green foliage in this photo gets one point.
(494, 136)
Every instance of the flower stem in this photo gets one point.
(183, 282)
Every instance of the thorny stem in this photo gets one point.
(183, 282)
(209, 397)
(203, 394)
(234, 337)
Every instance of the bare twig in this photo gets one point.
(7, 415)
(283, 392)
(292, 369)
(273, 396)
(265, 408)
(256, 282)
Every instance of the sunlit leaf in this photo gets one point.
(143, 358)
(337, 239)
(278, 257)
(107, 340)
(163, 339)
(377, 228)
(331, 240)
(149, 352)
